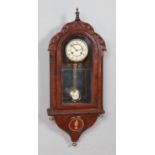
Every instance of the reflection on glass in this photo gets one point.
(76, 90)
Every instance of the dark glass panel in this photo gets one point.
(83, 85)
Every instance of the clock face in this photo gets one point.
(76, 50)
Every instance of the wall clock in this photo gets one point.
(76, 77)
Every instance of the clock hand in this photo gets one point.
(80, 49)
(74, 48)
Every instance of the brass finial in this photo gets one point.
(77, 14)
(74, 144)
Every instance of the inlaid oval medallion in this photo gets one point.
(76, 124)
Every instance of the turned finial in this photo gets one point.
(77, 14)
(74, 144)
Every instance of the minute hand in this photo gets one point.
(77, 49)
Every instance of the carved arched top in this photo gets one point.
(76, 26)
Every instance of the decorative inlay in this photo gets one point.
(76, 124)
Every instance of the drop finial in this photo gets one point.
(77, 14)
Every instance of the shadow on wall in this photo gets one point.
(44, 82)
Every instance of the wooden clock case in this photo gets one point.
(76, 118)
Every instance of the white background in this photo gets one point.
(135, 77)
(53, 14)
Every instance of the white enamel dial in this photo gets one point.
(76, 50)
